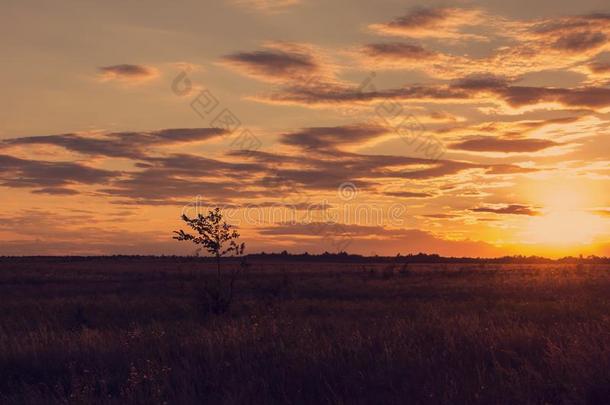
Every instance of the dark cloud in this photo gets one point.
(495, 144)
(127, 72)
(187, 165)
(440, 216)
(397, 50)
(528, 95)
(161, 181)
(573, 34)
(528, 45)
(272, 63)
(511, 209)
(133, 145)
(420, 17)
(430, 22)
(327, 169)
(56, 191)
(281, 62)
(408, 194)
(338, 94)
(156, 187)
(171, 179)
(481, 82)
(599, 67)
(328, 137)
(580, 41)
(592, 97)
(15, 172)
(475, 89)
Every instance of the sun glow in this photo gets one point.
(565, 221)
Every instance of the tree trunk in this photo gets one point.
(218, 267)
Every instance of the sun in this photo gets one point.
(565, 221)
(562, 228)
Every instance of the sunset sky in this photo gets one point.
(464, 128)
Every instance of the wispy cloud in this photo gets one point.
(135, 145)
(49, 177)
(266, 6)
(494, 144)
(508, 209)
(429, 22)
(127, 73)
(330, 137)
(281, 62)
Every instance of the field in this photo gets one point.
(125, 330)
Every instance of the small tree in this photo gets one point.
(219, 239)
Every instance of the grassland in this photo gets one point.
(133, 331)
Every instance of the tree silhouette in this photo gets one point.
(215, 235)
(219, 239)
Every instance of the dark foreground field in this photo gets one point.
(132, 331)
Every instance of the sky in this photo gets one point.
(467, 128)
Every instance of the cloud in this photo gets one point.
(397, 50)
(320, 163)
(424, 22)
(592, 97)
(440, 216)
(479, 82)
(523, 46)
(326, 169)
(127, 73)
(158, 187)
(194, 165)
(281, 62)
(571, 34)
(177, 178)
(526, 46)
(549, 44)
(580, 41)
(330, 137)
(517, 96)
(49, 177)
(495, 144)
(336, 94)
(474, 88)
(56, 191)
(134, 145)
(597, 71)
(266, 6)
(510, 209)
(160, 179)
(408, 194)
(410, 56)
(600, 67)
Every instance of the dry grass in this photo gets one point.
(125, 331)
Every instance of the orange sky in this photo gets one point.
(472, 128)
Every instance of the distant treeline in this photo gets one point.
(324, 257)
(424, 258)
